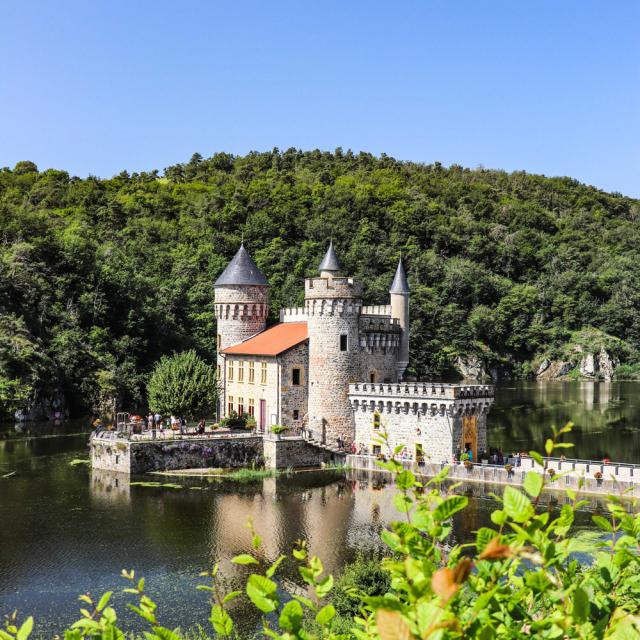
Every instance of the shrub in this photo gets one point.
(279, 428)
(234, 421)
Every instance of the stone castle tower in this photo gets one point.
(399, 294)
(241, 302)
(332, 305)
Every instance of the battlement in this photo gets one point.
(293, 314)
(240, 311)
(339, 287)
(422, 390)
(379, 324)
(332, 307)
(421, 398)
(377, 310)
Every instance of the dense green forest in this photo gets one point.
(101, 277)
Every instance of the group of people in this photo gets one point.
(156, 422)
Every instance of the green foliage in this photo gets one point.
(520, 579)
(110, 275)
(183, 385)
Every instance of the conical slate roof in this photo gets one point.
(241, 270)
(400, 284)
(330, 261)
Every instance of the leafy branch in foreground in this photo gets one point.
(521, 578)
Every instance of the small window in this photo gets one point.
(240, 371)
(240, 406)
(230, 373)
(117, 458)
(252, 407)
(230, 405)
(296, 414)
(376, 450)
(376, 420)
(372, 377)
(295, 377)
(252, 372)
(218, 341)
(219, 371)
(263, 373)
(343, 342)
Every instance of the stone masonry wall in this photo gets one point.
(241, 312)
(294, 397)
(296, 453)
(434, 432)
(333, 308)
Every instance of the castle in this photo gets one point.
(335, 366)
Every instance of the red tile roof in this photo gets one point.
(272, 341)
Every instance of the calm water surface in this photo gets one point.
(65, 530)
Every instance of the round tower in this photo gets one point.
(399, 294)
(332, 304)
(241, 304)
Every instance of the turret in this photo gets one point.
(399, 294)
(241, 304)
(330, 265)
(333, 304)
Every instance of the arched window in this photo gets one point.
(372, 377)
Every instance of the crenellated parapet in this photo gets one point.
(337, 287)
(426, 390)
(421, 399)
(332, 307)
(293, 314)
(377, 310)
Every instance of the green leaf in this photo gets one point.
(548, 446)
(291, 616)
(272, 569)
(402, 502)
(25, 629)
(498, 517)
(516, 505)
(405, 479)
(449, 506)
(537, 457)
(104, 600)
(221, 621)
(166, 634)
(603, 523)
(581, 605)
(484, 536)
(533, 483)
(244, 558)
(324, 586)
(230, 596)
(326, 614)
(262, 592)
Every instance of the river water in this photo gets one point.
(65, 530)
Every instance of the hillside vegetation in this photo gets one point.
(100, 278)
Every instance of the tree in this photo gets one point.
(182, 384)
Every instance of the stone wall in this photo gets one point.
(163, 455)
(333, 308)
(296, 453)
(294, 397)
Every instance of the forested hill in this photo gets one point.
(99, 278)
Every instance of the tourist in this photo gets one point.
(183, 425)
(200, 429)
(469, 454)
(156, 419)
(339, 441)
(500, 457)
(518, 459)
(150, 421)
(353, 447)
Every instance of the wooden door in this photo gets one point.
(470, 435)
(263, 415)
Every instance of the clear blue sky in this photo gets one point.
(548, 86)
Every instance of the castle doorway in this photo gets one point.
(263, 415)
(470, 435)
